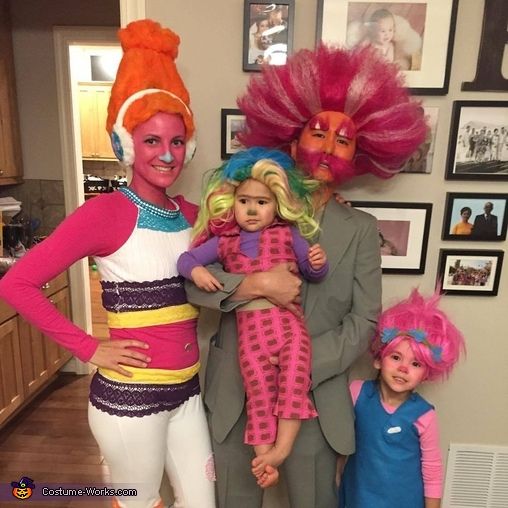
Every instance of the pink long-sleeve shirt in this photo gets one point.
(99, 228)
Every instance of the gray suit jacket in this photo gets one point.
(341, 313)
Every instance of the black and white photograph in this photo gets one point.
(268, 33)
(470, 272)
(478, 147)
(421, 160)
(403, 230)
(417, 36)
(475, 216)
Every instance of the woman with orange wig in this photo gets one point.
(145, 407)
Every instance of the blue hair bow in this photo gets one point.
(389, 334)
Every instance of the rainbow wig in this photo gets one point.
(292, 191)
(435, 341)
(358, 82)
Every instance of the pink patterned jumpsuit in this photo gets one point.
(272, 391)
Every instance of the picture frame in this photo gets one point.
(469, 272)
(267, 32)
(231, 122)
(421, 161)
(478, 146)
(403, 234)
(423, 41)
(466, 217)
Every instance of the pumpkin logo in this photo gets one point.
(24, 488)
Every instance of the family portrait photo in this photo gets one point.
(475, 216)
(479, 142)
(267, 33)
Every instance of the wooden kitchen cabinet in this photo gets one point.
(11, 387)
(93, 110)
(11, 167)
(28, 359)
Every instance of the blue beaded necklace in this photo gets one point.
(152, 209)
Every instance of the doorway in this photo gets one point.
(72, 44)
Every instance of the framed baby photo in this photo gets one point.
(478, 146)
(267, 33)
(421, 160)
(475, 216)
(469, 272)
(416, 35)
(231, 123)
(403, 230)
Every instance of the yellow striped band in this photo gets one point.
(142, 318)
(152, 376)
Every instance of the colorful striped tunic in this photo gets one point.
(135, 246)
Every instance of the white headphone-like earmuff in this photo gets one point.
(121, 140)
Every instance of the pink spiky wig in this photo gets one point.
(358, 82)
(434, 339)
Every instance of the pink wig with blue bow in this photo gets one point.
(434, 339)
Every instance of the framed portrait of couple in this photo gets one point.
(474, 216)
(416, 35)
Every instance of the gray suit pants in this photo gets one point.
(309, 471)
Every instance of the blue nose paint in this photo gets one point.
(167, 158)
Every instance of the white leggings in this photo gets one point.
(139, 449)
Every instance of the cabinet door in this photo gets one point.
(87, 121)
(33, 359)
(57, 356)
(11, 381)
(11, 170)
(93, 110)
(104, 149)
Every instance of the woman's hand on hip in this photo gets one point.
(112, 354)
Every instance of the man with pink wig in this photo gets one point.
(339, 113)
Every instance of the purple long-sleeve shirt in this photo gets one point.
(207, 253)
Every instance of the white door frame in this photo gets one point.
(70, 137)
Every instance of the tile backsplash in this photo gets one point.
(42, 200)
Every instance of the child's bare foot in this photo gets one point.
(269, 477)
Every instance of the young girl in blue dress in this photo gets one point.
(397, 462)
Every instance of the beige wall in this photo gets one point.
(473, 404)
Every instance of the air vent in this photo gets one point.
(476, 477)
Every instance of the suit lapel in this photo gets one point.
(337, 232)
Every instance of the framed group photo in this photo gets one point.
(267, 33)
(419, 38)
(232, 122)
(478, 148)
(470, 272)
(403, 230)
(475, 216)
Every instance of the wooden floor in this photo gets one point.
(50, 442)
